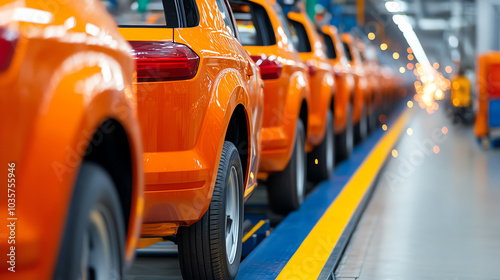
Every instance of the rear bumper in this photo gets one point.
(177, 190)
(277, 146)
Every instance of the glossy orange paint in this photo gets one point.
(344, 79)
(484, 62)
(283, 96)
(369, 76)
(184, 123)
(71, 71)
(393, 84)
(387, 86)
(321, 80)
(360, 82)
(372, 73)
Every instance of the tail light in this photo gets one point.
(311, 68)
(164, 61)
(493, 79)
(270, 68)
(8, 42)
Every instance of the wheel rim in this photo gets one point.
(363, 124)
(329, 148)
(100, 248)
(349, 133)
(300, 173)
(232, 214)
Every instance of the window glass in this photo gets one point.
(226, 16)
(253, 23)
(246, 26)
(137, 13)
(329, 47)
(284, 22)
(155, 13)
(347, 51)
(299, 36)
(362, 56)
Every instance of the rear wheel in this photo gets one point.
(485, 142)
(211, 248)
(372, 121)
(361, 128)
(346, 139)
(94, 238)
(321, 161)
(286, 190)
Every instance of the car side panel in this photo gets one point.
(73, 105)
(180, 178)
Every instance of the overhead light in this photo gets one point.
(395, 6)
(453, 41)
(431, 24)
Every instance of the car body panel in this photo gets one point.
(283, 96)
(487, 92)
(344, 79)
(184, 122)
(63, 83)
(322, 83)
(360, 83)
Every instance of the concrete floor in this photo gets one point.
(432, 216)
(160, 261)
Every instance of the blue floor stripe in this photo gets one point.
(269, 258)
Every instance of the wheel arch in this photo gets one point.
(110, 148)
(237, 132)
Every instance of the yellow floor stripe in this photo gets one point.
(253, 230)
(309, 259)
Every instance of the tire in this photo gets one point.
(372, 121)
(345, 141)
(485, 142)
(287, 189)
(321, 161)
(361, 128)
(91, 250)
(206, 251)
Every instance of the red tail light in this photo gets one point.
(270, 68)
(494, 80)
(164, 61)
(8, 42)
(311, 68)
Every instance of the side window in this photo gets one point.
(329, 46)
(153, 13)
(139, 13)
(362, 56)
(226, 15)
(299, 36)
(254, 25)
(347, 51)
(284, 22)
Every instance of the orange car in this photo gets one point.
(488, 97)
(372, 72)
(200, 103)
(286, 95)
(345, 88)
(387, 82)
(359, 100)
(70, 140)
(320, 128)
